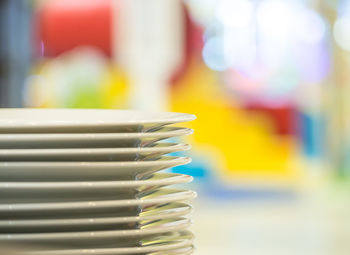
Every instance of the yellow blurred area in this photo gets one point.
(242, 142)
(114, 90)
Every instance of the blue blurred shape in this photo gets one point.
(312, 134)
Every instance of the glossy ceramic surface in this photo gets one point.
(84, 120)
(107, 221)
(65, 206)
(91, 154)
(83, 171)
(89, 140)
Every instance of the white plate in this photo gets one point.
(122, 170)
(187, 250)
(157, 212)
(84, 140)
(84, 120)
(156, 180)
(181, 251)
(160, 244)
(100, 189)
(49, 206)
(91, 154)
(101, 236)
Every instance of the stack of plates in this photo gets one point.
(88, 181)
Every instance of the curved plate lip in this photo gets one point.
(56, 137)
(158, 179)
(184, 239)
(93, 221)
(162, 161)
(158, 148)
(32, 118)
(169, 225)
(172, 195)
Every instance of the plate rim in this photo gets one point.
(177, 131)
(157, 148)
(92, 221)
(164, 118)
(182, 223)
(175, 195)
(185, 239)
(164, 180)
(163, 160)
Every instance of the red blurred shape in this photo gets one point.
(282, 117)
(66, 24)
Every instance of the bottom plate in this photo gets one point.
(168, 243)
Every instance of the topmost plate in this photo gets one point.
(82, 120)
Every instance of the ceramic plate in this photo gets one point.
(162, 244)
(78, 189)
(55, 171)
(182, 251)
(65, 206)
(101, 237)
(84, 140)
(91, 154)
(150, 213)
(84, 120)
(187, 250)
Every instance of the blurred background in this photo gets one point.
(269, 81)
